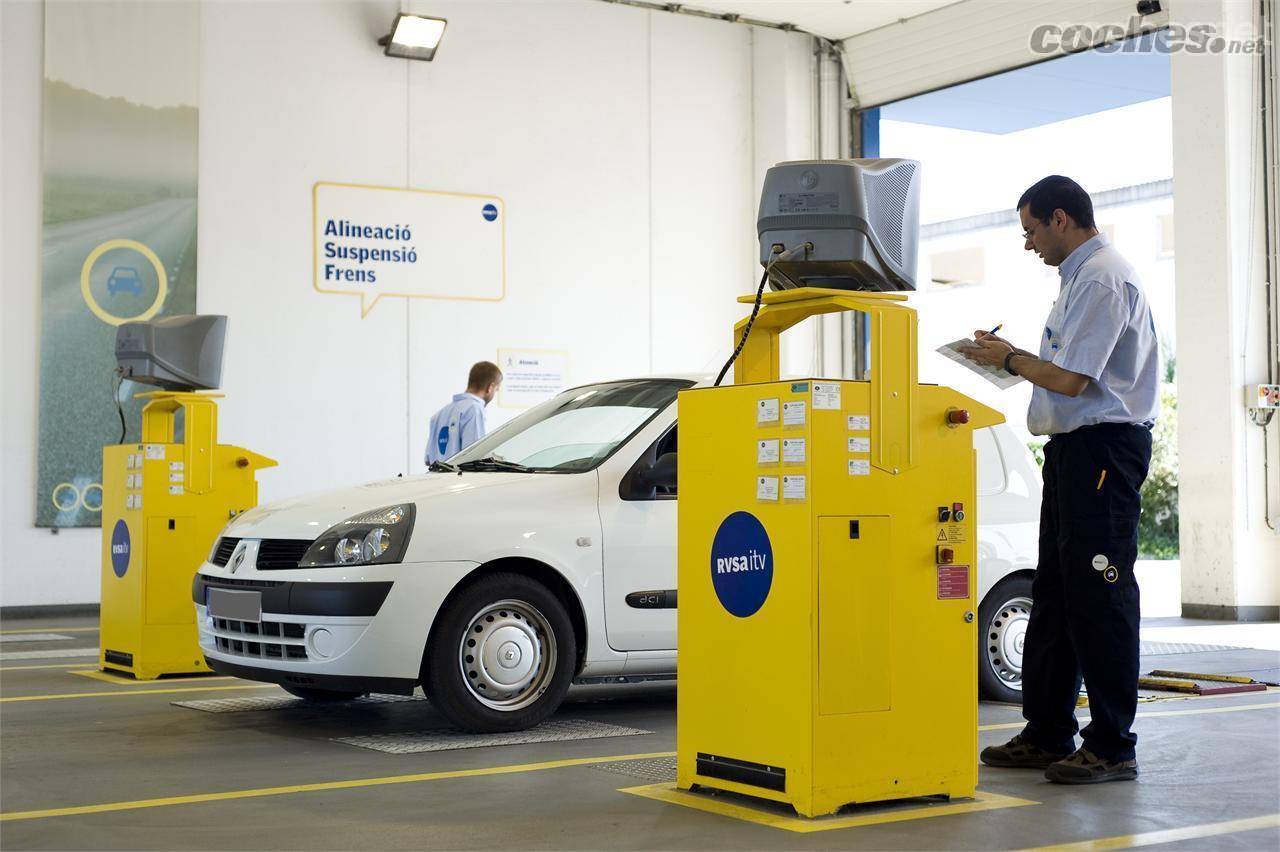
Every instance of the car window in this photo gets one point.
(578, 429)
(991, 476)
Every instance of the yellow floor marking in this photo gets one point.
(131, 693)
(1169, 835)
(667, 792)
(51, 630)
(327, 785)
(121, 680)
(1272, 705)
(50, 666)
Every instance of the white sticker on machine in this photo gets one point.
(155, 451)
(767, 451)
(859, 423)
(767, 411)
(859, 467)
(793, 413)
(793, 488)
(859, 445)
(826, 395)
(793, 450)
(767, 488)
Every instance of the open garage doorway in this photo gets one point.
(1102, 117)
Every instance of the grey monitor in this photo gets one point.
(862, 217)
(178, 353)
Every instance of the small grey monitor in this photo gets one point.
(178, 353)
(861, 216)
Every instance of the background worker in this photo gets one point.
(1096, 396)
(461, 423)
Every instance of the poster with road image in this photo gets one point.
(119, 235)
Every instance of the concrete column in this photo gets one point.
(1230, 551)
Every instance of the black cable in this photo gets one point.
(743, 342)
(115, 396)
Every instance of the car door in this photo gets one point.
(639, 531)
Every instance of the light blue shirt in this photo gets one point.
(1101, 327)
(455, 427)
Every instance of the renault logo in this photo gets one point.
(237, 558)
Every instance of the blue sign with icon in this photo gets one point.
(742, 564)
(120, 548)
(490, 212)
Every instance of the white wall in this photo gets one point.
(1230, 559)
(625, 144)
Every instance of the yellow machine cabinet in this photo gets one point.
(164, 502)
(827, 565)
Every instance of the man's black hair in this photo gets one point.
(1048, 194)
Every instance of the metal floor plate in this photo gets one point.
(446, 739)
(656, 770)
(284, 702)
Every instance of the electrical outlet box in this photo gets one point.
(1263, 396)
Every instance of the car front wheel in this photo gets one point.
(1002, 626)
(502, 655)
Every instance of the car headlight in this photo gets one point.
(379, 537)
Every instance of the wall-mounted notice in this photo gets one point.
(530, 376)
(375, 241)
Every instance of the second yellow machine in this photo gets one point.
(827, 572)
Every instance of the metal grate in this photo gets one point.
(268, 640)
(222, 553)
(281, 553)
(33, 637)
(887, 194)
(1156, 649)
(284, 702)
(657, 770)
(447, 739)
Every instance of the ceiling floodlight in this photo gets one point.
(413, 37)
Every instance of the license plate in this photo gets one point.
(236, 605)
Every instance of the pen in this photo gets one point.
(997, 328)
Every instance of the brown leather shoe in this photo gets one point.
(1085, 767)
(1018, 753)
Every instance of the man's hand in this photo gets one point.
(988, 349)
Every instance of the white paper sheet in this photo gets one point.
(996, 375)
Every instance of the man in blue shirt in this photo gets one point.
(1096, 395)
(461, 423)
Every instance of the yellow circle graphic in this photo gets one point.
(101, 312)
(59, 506)
(84, 497)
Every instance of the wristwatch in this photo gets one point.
(1007, 368)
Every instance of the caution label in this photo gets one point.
(952, 534)
(953, 582)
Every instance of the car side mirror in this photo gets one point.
(662, 474)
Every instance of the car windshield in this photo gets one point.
(575, 431)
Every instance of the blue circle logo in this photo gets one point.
(489, 212)
(442, 440)
(742, 564)
(120, 548)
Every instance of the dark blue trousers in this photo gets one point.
(1084, 615)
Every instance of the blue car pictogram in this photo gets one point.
(124, 279)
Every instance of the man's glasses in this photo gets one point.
(1027, 235)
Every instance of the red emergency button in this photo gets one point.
(946, 555)
(957, 416)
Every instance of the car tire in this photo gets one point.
(501, 656)
(1002, 628)
(312, 694)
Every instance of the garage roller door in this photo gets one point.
(969, 40)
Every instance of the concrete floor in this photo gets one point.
(119, 754)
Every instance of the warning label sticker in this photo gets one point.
(953, 534)
(826, 395)
(953, 582)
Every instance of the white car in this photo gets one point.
(544, 554)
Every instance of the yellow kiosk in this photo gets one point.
(164, 502)
(826, 572)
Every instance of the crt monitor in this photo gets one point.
(862, 218)
(177, 353)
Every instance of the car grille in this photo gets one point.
(269, 640)
(222, 553)
(281, 553)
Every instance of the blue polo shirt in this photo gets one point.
(1101, 327)
(455, 427)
